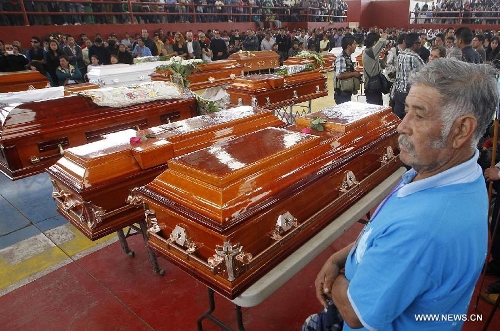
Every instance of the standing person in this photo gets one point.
(74, 54)
(284, 43)
(371, 65)
(463, 37)
(150, 43)
(100, 51)
(218, 46)
(251, 42)
(344, 70)
(52, 60)
(492, 49)
(267, 43)
(408, 62)
(425, 245)
(477, 44)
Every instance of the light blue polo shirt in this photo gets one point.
(422, 253)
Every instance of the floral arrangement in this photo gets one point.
(144, 59)
(246, 53)
(138, 140)
(286, 70)
(312, 55)
(316, 124)
(180, 67)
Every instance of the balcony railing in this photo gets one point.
(47, 12)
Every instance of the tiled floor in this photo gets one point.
(54, 278)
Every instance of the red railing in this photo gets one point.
(47, 12)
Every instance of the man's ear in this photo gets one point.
(463, 129)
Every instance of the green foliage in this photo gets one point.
(317, 124)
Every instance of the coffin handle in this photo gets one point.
(349, 182)
(38, 159)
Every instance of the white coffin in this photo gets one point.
(122, 74)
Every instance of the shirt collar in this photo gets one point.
(465, 172)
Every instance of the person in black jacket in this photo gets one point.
(150, 43)
(124, 55)
(100, 51)
(52, 59)
(12, 60)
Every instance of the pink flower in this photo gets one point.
(135, 140)
(306, 130)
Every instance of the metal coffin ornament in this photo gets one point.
(230, 212)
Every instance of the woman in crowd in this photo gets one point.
(52, 60)
(124, 55)
(179, 46)
(67, 73)
(493, 49)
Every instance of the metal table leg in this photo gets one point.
(215, 320)
(124, 244)
(152, 256)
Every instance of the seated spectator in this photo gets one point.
(180, 46)
(94, 62)
(68, 74)
(37, 66)
(113, 59)
(295, 49)
(124, 55)
(12, 59)
(141, 50)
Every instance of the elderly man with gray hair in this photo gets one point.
(424, 247)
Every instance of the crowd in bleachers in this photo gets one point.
(457, 12)
(169, 11)
(44, 54)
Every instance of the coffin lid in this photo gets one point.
(94, 162)
(229, 161)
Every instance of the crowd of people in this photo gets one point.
(172, 11)
(457, 12)
(83, 52)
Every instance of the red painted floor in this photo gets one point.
(107, 290)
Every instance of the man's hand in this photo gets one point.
(491, 174)
(324, 280)
(331, 269)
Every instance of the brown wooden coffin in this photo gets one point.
(274, 91)
(22, 81)
(75, 88)
(91, 182)
(207, 75)
(258, 60)
(230, 212)
(329, 61)
(33, 134)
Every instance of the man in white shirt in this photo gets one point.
(267, 43)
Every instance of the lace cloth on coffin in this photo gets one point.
(133, 94)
